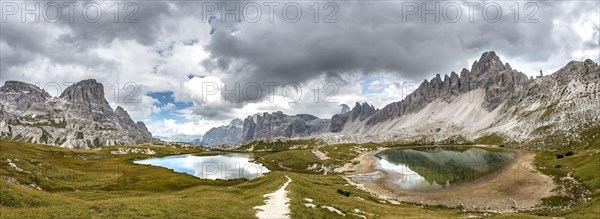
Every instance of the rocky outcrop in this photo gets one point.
(20, 95)
(489, 73)
(360, 112)
(278, 124)
(491, 97)
(344, 108)
(338, 121)
(85, 99)
(136, 131)
(228, 134)
(79, 118)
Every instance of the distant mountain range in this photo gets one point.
(79, 118)
(490, 98)
(180, 138)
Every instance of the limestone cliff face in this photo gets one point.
(491, 97)
(228, 134)
(498, 80)
(360, 112)
(20, 95)
(278, 124)
(79, 118)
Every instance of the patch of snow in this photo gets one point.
(309, 205)
(360, 216)
(11, 164)
(35, 187)
(335, 210)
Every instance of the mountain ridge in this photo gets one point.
(80, 117)
(492, 97)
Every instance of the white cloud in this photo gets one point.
(153, 54)
(170, 127)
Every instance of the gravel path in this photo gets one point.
(277, 204)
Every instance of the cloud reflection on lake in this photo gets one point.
(228, 166)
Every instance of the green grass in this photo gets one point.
(279, 145)
(38, 122)
(94, 183)
(290, 160)
(550, 108)
(79, 135)
(542, 129)
(97, 184)
(490, 139)
(583, 166)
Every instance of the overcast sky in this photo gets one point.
(166, 62)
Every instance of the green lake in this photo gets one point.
(431, 168)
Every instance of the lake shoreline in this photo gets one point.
(516, 186)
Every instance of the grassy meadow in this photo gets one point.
(39, 181)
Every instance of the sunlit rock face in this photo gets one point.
(79, 118)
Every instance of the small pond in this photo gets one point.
(227, 166)
(431, 168)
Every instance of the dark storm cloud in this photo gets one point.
(371, 37)
(68, 41)
(368, 38)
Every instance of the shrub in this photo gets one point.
(346, 193)
(490, 139)
(569, 153)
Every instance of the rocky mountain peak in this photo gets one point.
(81, 118)
(307, 117)
(20, 95)
(223, 135)
(86, 90)
(278, 124)
(488, 73)
(236, 123)
(120, 111)
(489, 62)
(86, 100)
(507, 66)
(344, 108)
(590, 66)
(142, 126)
(362, 111)
(22, 87)
(123, 115)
